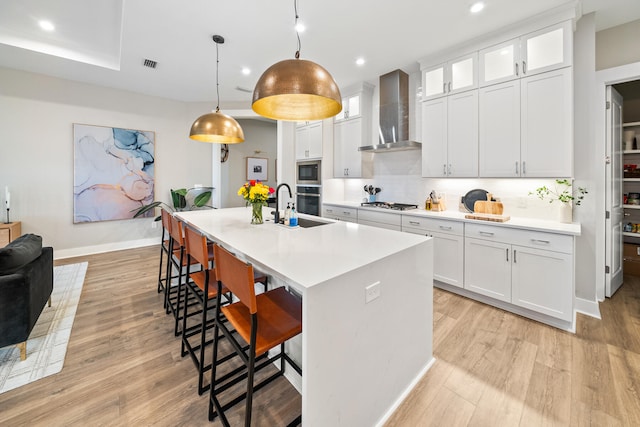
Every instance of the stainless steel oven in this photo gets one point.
(308, 199)
(308, 173)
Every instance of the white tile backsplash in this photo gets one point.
(399, 176)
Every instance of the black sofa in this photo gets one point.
(26, 283)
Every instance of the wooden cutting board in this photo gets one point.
(487, 207)
(488, 217)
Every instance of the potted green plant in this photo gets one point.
(563, 193)
(179, 200)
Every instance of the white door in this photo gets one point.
(434, 138)
(448, 258)
(613, 194)
(487, 268)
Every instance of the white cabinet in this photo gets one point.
(387, 220)
(450, 136)
(454, 76)
(526, 127)
(351, 107)
(309, 141)
(487, 270)
(340, 213)
(448, 246)
(351, 131)
(537, 52)
(529, 269)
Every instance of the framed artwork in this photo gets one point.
(257, 168)
(113, 172)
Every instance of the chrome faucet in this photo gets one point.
(277, 213)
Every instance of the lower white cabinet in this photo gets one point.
(340, 213)
(448, 246)
(529, 269)
(488, 268)
(386, 220)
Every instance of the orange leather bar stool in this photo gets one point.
(204, 286)
(263, 321)
(164, 248)
(174, 300)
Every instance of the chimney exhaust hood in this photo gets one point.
(394, 115)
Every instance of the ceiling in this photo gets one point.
(105, 42)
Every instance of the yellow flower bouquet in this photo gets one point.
(256, 194)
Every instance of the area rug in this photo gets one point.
(47, 344)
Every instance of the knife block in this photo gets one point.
(438, 206)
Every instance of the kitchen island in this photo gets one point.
(359, 358)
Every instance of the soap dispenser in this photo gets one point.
(293, 218)
(287, 214)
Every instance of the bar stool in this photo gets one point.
(179, 260)
(204, 286)
(164, 247)
(263, 321)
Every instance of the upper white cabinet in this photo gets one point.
(351, 130)
(533, 53)
(451, 77)
(308, 140)
(450, 136)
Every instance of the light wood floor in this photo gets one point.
(123, 364)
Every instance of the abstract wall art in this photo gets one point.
(113, 172)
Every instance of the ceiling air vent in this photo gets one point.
(150, 63)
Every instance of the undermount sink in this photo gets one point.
(307, 223)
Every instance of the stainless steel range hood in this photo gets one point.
(394, 115)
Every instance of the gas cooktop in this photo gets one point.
(389, 205)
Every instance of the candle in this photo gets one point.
(7, 196)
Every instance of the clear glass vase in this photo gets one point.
(256, 213)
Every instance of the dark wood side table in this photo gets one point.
(9, 232)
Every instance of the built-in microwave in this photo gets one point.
(308, 173)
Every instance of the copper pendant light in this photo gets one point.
(217, 127)
(296, 90)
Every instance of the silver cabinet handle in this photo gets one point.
(507, 254)
(442, 227)
(449, 170)
(486, 233)
(444, 169)
(514, 256)
(544, 242)
(444, 88)
(516, 168)
(449, 86)
(524, 168)
(524, 67)
(329, 210)
(414, 223)
(517, 72)
(346, 213)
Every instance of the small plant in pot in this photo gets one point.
(179, 200)
(564, 193)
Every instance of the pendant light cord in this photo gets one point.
(295, 8)
(217, 83)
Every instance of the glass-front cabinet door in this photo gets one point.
(500, 63)
(547, 49)
(463, 73)
(433, 85)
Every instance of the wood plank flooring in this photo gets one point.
(123, 365)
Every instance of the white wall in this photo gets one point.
(260, 139)
(36, 160)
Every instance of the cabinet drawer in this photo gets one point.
(4, 237)
(340, 212)
(432, 224)
(381, 217)
(532, 239)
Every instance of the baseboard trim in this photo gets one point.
(382, 421)
(586, 307)
(107, 247)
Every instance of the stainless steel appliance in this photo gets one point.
(308, 199)
(389, 205)
(308, 173)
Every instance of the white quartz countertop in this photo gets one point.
(573, 229)
(306, 256)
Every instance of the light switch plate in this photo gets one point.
(371, 292)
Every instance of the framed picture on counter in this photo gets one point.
(257, 168)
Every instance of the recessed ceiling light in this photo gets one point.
(246, 71)
(360, 61)
(46, 25)
(300, 27)
(476, 7)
